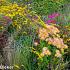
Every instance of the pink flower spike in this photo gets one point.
(53, 15)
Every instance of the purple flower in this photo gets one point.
(53, 15)
(7, 18)
(29, 16)
(50, 21)
(35, 17)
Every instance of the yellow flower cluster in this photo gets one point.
(2, 0)
(12, 10)
(18, 26)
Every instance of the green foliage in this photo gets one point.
(44, 7)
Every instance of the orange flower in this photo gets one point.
(52, 29)
(43, 33)
(45, 51)
(58, 54)
(58, 42)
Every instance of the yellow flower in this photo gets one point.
(68, 39)
(41, 55)
(65, 46)
(14, 5)
(62, 50)
(15, 23)
(12, 10)
(16, 66)
(1, 27)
